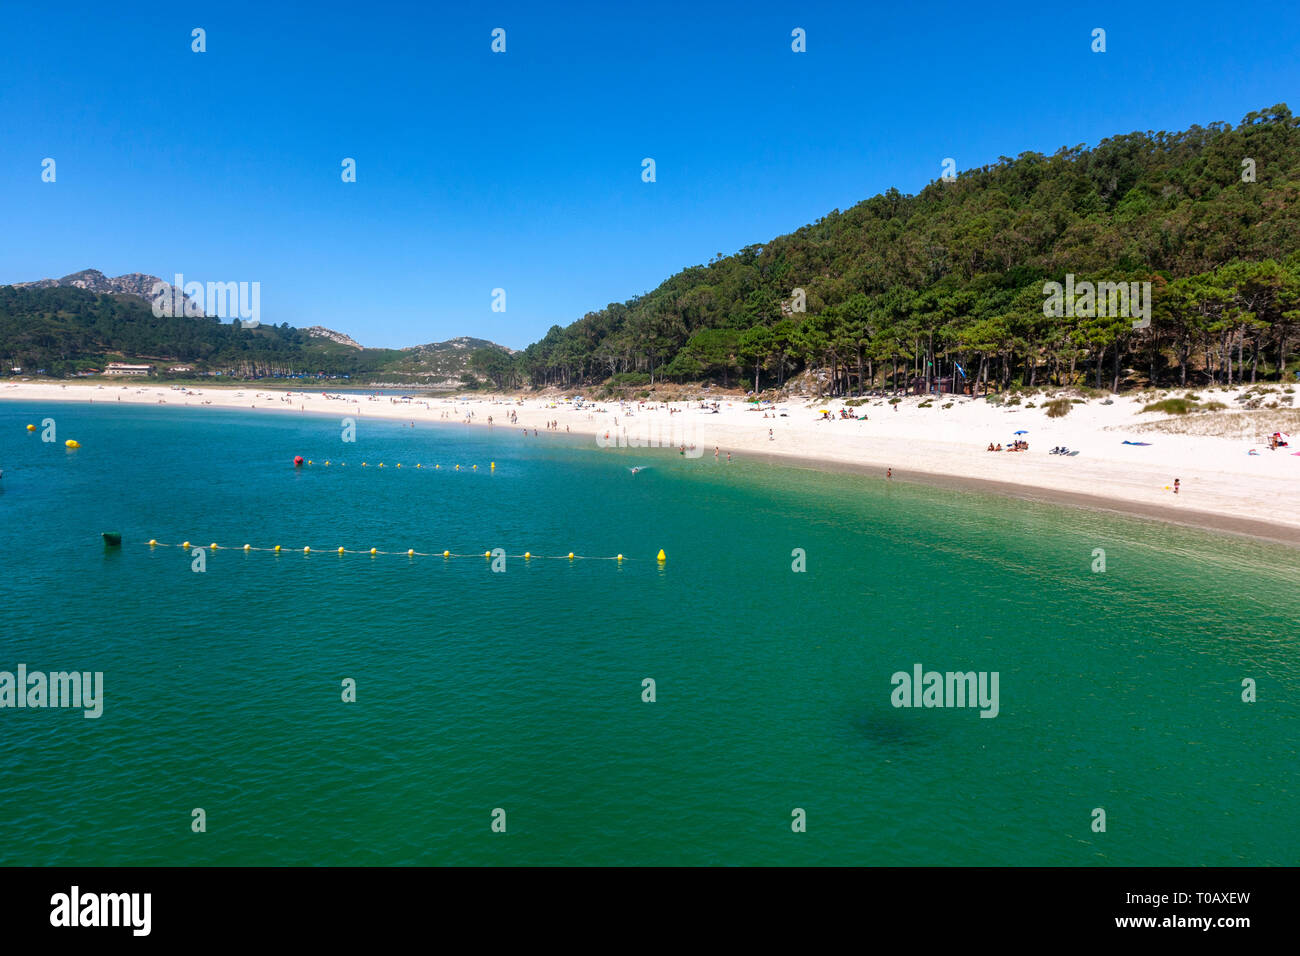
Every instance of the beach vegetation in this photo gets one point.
(1171, 406)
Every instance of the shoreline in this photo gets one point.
(1225, 487)
(1194, 518)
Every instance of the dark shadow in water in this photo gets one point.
(895, 728)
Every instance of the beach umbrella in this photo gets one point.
(1021, 432)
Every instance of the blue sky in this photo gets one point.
(522, 170)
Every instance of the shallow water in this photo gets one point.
(522, 690)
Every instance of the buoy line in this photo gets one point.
(300, 462)
(409, 553)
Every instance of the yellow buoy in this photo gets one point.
(309, 461)
(570, 555)
(153, 542)
(487, 554)
(72, 443)
(248, 547)
(399, 464)
(527, 555)
(476, 467)
(494, 466)
(458, 467)
(620, 557)
(185, 545)
(437, 466)
(340, 550)
(662, 557)
(306, 550)
(418, 465)
(213, 546)
(410, 552)
(31, 428)
(446, 554)
(373, 552)
(364, 465)
(277, 547)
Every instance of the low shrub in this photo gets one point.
(1171, 406)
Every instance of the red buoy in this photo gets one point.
(297, 461)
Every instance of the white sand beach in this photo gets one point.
(1222, 484)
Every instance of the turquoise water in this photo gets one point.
(522, 690)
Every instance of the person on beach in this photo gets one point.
(889, 474)
(1176, 483)
(770, 436)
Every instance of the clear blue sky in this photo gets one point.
(523, 171)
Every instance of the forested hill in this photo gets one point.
(1209, 216)
(62, 330)
(65, 329)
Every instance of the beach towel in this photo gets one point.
(1137, 443)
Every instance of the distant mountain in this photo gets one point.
(320, 332)
(92, 280)
(463, 342)
(85, 320)
(442, 364)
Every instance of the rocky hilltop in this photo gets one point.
(92, 280)
(320, 332)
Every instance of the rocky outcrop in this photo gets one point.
(320, 332)
(92, 280)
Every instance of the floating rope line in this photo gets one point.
(409, 553)
(328, 463)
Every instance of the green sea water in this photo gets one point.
(1120, 690)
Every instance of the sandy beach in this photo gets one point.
(1222, 484)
